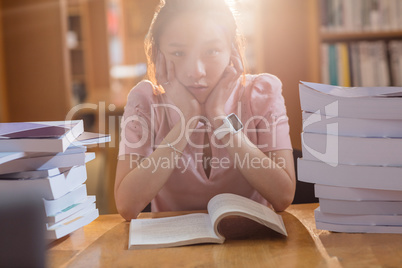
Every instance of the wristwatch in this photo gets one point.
(231, 124)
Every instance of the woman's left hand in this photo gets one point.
(215, 104)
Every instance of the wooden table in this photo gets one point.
(103, 243)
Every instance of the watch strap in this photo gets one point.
(222, 131)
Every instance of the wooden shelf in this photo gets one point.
(78, 77)
(74, 8)
(355, 43)
(35, 28)
(351, 36)
(77, 48)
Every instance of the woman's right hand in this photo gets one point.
(174, 90)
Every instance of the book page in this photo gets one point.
(9, 156)
(90, 138)
(172, 231)
(230, 204)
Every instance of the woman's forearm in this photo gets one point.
(273, 177)
(144, 179)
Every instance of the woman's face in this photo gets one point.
(199, 50)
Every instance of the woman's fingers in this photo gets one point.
(236, 60)
(170, 71)
(223, 89)
(229, 76)
(160, 67)
(183, 99)
(171, 80)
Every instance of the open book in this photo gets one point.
(199, 228)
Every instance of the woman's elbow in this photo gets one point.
(284, 201)
(287, 195)
(282, 204)
(128, 212)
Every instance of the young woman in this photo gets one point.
(200, 126)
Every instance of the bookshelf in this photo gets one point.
(289, 49)
(39, 65)
(95, 45)
(88, 49)
(371, 32)
(77, 52)
(34, 50)
(134, 19)
(334, 37)
(3, 97)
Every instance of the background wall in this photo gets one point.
(290, 51)
(35, 59)
(3, 103)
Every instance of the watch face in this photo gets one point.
(234, 120)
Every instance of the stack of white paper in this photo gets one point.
(50, 158)
(352, 151)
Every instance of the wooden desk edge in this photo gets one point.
(83, 238)
(305, 214)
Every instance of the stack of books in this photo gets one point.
(50, 158)
(352, 151)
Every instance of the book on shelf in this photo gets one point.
(343, 65)
(46, 136)
(332, 65)
(360, 15)
(395, 52)
(357, 127)
(354, 150)
(360, 207)
(361, 102)
(362, 63)
(75, 196)
(366, 219)
(46, 162)
(200, 227)
(83, 204)
(354, 228)
(356, 194)
(374, 70)
(366, 177)
(335, 64)
(355, 64)
(50, 187)
(72, 223)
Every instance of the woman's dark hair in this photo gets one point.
(169, 9)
